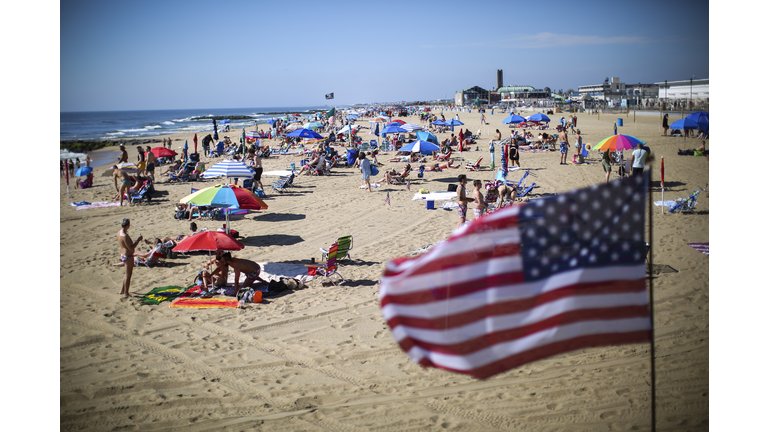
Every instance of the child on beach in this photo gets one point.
(477, 195)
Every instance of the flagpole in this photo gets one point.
(650, 305)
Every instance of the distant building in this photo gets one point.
(471, 95)
(698, 89)
(613, 90)
(513, 93)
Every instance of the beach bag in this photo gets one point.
(260, 193)
(181, 214)
(374, 170)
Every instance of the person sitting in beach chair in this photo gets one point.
(85, 184)
(315, 165)
(147, 258)
(394, 177)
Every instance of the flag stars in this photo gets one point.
(574, 262)
(625, 246)
(535, 272)
(614, 256)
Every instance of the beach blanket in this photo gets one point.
(204, 303)
(667, 203)
(450, 206)
(435, 196)
(701, 247)
(269, 272)
(373, 185)
(276, 173)
(100, 204)
(161, 294)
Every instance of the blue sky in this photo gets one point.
(192, 54)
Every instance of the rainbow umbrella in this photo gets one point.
(224, 196)
(619, 142)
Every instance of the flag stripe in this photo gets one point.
(496, 301)
(486, 340)
(460, 282)
(535, 340)
(518, 359)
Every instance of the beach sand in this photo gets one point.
(322, 358)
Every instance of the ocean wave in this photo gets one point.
(169, 123)
(115, 133)
(66, 154)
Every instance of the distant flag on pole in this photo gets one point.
(525, 283)
(386, 200)
(329, 96)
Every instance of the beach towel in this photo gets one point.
(701, 247)
(161, 294)
(100, 204)
(667, 203)
(450, 206)
(203, 303)
(373, 185)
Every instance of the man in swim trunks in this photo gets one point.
(127, 248)
(564, 147)
(251, 269)
(125, 180)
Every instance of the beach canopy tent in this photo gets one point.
(392, 129)
(426, 136)
(410, 127)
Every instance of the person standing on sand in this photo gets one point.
(123, 154)
(127, 248)
(151, 159)
(125, 184)
(365, 168)
(87, 160)
(607, 161)
(665, 124)
(477, 195)
(461, 192)
(564, 147)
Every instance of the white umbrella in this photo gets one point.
(229, 168)
(410, 127)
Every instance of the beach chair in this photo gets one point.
(328, 268)
(400, 179)
(160, 251)
(345, 245)
(374, 145)
(686, 204)
(141, 195)
(282, 183)
(521, 184)
(525, 192)
(472, 166)
(444, 157)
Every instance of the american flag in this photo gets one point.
(387, 199)
(701, 247)
(525, 283)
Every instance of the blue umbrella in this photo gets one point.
(424, 147)
(304, 133)
(352, 116)
(225, 121)
(376, 132)
(271, 122)
(513, 119)
(685, 123)
(702, 118)
(393, 129)
(439, 123)
(538, 117)
(83, 171)
(453, 122)
(426, 136)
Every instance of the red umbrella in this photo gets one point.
(245, 196)
(160, 152)
(194, 140)
(209, 241)
(398, 121)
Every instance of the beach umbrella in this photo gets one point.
(376, 132)
(223, 196)
(440, 123)
(229, 168)
(128, 167)
(246, 195)
(410, 127)
(215, 133)
(453, 122)
(271, 122)
(538, 117)
(423, 147)
(304, 133)
(380, 119)
(83, 171)
(345, 129)
(397, 121)
(512, 118)
(426, 136)
(225, 121)
(160, 152)
(619, 142)
(352, 116)
(209, 241)
(313, 125)
(186, 147)
(194, 140)
(685, 123)
(392, 129)
(702, 118)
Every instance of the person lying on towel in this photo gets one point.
(251, 269)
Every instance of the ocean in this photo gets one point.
(117, 125)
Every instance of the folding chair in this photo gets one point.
(472, 166)
(687, 204)
(328, 268)
(345, 245)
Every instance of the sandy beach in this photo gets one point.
(323, 358)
